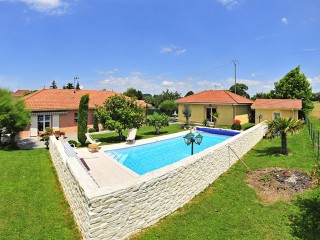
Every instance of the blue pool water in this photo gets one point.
(148, 157)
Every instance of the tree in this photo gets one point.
(158, 121)
(83, 119)
(13, 115)
(68, 86)
(189, 93)
(281, 126)
(214, 117)
(316, 96)
(133, 93)
(53, 85)
(168, 107)
(261, 95)
(78, 86)
(166, 95)
(120, 113)
(187, 113)
(241, 89)
(294, 85)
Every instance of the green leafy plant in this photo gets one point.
(187, 114)
(236, 125)
(168, 107)
(158, 121)
(120, 113)
(91, 130)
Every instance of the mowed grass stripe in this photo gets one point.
(32, 205)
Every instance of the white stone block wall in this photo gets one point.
(117, 213)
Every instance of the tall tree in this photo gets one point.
(241, 89)
(294, 85)
(53, 85)
(282, 126)
(13, 115)
(133, 93)
(83, 119)
(120, 113)
(78, 86)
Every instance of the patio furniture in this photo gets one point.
(93, 147)
(91, 140)
(131, 138)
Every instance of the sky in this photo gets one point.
(152, 46)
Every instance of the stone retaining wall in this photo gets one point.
(118, 212)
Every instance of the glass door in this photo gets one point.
(44, 121)
(209, 112)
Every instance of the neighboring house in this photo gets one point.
(58, 109)
(270, 109)
(230, 106)
(20, 93)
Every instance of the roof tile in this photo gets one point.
(277, 103)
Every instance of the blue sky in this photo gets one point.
(179, 45)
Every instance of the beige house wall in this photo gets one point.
(226, 117)
(268, 114)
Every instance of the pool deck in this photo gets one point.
(109, 172)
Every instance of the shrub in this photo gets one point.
(168, 107)
(91, 130)
(236, 125)
(205, 122)
(73, 143)
(187, 113)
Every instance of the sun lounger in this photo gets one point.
(91, 140)
(131, 138)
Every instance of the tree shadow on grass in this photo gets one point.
(268, 151)
(306, 223)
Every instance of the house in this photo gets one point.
(58, 109)
(20, 93)
(270, 109)
(230, 106)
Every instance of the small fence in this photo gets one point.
(315, 137)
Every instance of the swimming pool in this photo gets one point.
(148, 157)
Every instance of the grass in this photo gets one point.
(230, 209)
(142, 133)
(32, 204)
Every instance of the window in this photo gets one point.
(210, 111)
(76, 117)
(276, 115)
(44, 121)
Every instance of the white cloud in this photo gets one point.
(314, 80)
(136, 73)
(173, 49)
(166, 83)
(229, 4)
(52, 7)
(108, 72)
(284, 20)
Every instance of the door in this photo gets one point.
(33, 126)
(209, 113)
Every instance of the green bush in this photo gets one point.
(236, 126)
(91, 130)
(158, 121)
(73, 142)
(168, 107)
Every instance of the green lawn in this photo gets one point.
(229, 209)
(32, 205)
(142, 133)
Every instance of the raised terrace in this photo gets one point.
(110, 201)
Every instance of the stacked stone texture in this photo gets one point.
(117, 213)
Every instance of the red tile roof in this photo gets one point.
(19, 93)
(64, 99)
(215, 96)
(278, 104)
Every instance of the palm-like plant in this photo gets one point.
(281, 127)
(214, 117)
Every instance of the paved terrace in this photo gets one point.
(109, 172)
